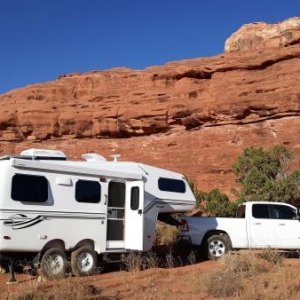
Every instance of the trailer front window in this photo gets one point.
(171, 185)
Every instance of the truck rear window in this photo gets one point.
(241, 212)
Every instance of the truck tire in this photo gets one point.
(83, 261)
(54, 264)
(217, 245)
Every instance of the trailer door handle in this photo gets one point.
(282, 224)
(257, 223)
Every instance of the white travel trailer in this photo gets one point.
(53, 210)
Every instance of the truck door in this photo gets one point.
(275, 226)
(286, 227)
(134, 215)
(261, 227)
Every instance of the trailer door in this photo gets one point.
(134, 215)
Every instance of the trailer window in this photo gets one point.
(135, 198)
(171, 185)
(29, 188)
(260, 211)
(116, 194)
(88, 191)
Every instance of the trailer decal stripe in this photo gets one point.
(20, 221)
(160, 201)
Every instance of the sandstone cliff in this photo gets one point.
(260, 35)
(193, 116)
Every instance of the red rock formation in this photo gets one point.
(194, 116)
(262, 35)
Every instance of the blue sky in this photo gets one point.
(41, 39)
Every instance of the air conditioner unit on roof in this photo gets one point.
(44, 153)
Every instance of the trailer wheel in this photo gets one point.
(217, 245)
(83, 261)
(54, 264)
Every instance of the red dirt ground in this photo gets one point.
(176, 283)
(152, 283)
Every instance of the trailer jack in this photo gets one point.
(11, 276)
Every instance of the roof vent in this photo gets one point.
(93, 157)
(44, 154)
(115, 156)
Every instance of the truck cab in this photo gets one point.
(256, 225)
(274, 225)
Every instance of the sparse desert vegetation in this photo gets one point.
(238, 275)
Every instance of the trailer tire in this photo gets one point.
(217, 245)
(83, 261)
(54, 264)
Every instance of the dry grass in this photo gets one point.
(136, 261)
(272, 256)
(62, 289)
(192, 257)
(165, 234)
(133, 262)
(239, 275)
(237, 269)
(170, 260)
(2, 270)
(150, 261)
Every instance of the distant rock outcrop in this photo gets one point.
(193, 116)
(260, 35)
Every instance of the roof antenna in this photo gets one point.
(115, 156)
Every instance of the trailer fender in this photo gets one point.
(53, 244)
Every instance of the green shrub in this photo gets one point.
(265, 175)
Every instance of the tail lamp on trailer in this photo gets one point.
(184, 226)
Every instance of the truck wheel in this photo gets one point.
(217, 246)
(54, 264)
(83, 261)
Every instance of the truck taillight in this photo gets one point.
(184, 226)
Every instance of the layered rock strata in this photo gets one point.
(192, 116)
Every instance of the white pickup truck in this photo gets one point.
(257, 225)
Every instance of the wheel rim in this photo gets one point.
(85, 262)
(55, 264)
(216, 248)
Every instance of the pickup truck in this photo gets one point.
(257, 225)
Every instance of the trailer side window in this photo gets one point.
(171, 185)
(29, 188)
(88, 191)
(135, 198)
